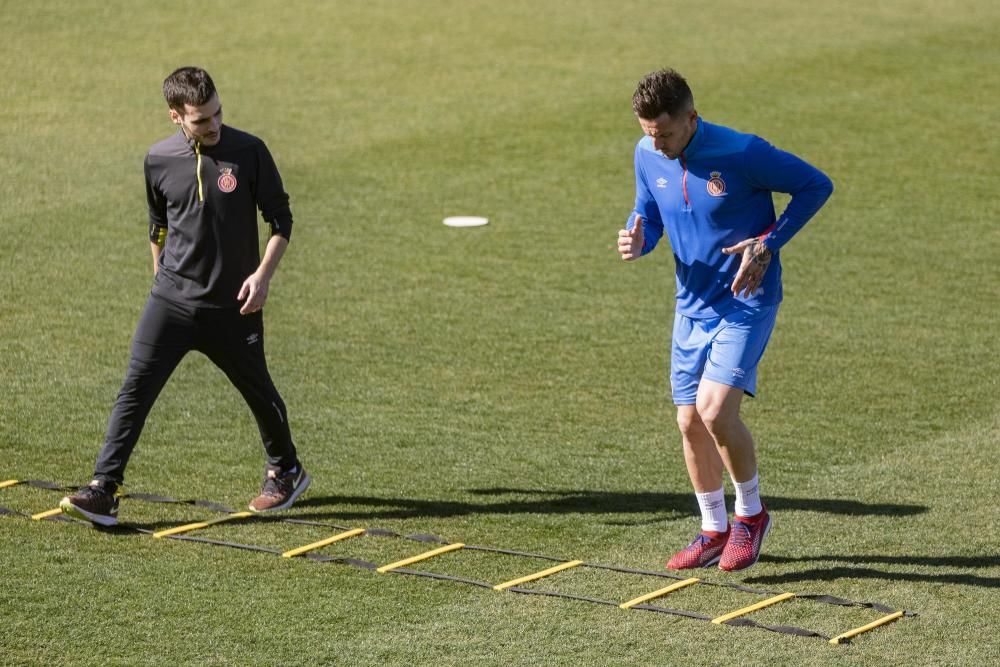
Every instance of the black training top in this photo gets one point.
(206, 197)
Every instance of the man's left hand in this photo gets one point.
(756, 258)
(254, 291)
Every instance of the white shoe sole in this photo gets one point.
(299, 490)
(72, 510)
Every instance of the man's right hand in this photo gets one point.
(630, 241)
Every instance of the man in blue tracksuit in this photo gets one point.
(710, 188)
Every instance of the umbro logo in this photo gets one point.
(661, 182)
(253, 338)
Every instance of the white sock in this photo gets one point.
(713, 511)
(748, 497)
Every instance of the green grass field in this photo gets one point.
(505, 386)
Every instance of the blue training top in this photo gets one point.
(716, 194)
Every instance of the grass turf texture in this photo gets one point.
(505, 386)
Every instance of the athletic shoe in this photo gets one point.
(704, 551)
(280, 490)
(746, 537)
(95, 502)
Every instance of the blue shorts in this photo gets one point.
(722, 349)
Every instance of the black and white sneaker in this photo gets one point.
(280, 489)
(95, 502)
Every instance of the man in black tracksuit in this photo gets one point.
(204, 186)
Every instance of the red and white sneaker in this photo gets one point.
(746, 537)
(704, 551)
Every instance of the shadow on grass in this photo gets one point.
(848, 572)
(651, 506)
(130, 527)
(931, 561)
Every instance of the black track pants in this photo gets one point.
(165, 333)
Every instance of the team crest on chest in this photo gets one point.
(715, 185)
(227, 182)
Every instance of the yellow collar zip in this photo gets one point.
(197, 152)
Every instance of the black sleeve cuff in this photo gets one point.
(282, 227)
(157, 234)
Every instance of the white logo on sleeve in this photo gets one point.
(739, 373)
(661, 182)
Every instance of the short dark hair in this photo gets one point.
(662, 92)
(188, 85)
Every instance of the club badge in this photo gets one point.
(227, 182)
(716, 186)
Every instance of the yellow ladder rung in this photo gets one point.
(322, 543)
(754, 607)
(660, 593)
(46, 514)
(538, 575)
(419, 557)
(201, 524)
(9, 482)
(865, 628)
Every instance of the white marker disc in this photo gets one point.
(465, 221)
